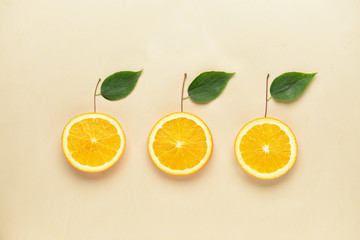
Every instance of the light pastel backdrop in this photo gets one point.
(53, 51)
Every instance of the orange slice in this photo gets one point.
(93, 142)
(266, 148)
(180, 144)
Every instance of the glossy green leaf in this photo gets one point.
(208, 85)
(119, 85)
(290, 85)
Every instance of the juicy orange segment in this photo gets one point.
(180, 143)
(266, 148)
(93, 142)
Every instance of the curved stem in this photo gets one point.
(182, 93)
(266, 99)
(96, 94)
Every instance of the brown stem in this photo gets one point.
(182, 93)
(95, 94)
(266, 99)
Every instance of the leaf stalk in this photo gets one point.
(96, 94)
(267, 90)
(182, 93)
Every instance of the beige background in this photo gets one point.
(53, 52)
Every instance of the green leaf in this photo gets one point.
(208, 85)
(290, 85)
(119, 85)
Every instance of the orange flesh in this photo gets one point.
(93, 141)
(265, 148)
(180, 144)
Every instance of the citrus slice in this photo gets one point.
(266, 148)
(93, 142)
(180, 143)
